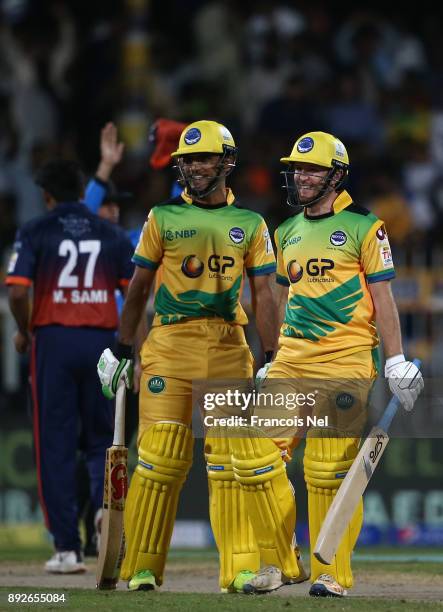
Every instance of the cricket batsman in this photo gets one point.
(198, 246)
(334, 269)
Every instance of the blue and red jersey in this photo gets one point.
(75, 261)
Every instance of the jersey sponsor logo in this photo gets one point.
(294, 270)
(192, 266)
(236, 234)
(175, 234)
(317, 269)
(83, 296)
(344, 400)
(338, 238)
(386, 256)
(156, 384)
(268, 243)
(288, 241)
(305, 145)
(218, 265)
(192, 136)
(381, 233)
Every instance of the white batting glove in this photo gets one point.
(111, 371)
(261, 374)
(405, 380)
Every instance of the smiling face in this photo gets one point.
(199, 169)
(309, 179)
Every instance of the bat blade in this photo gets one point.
(349, 494)
(354, 484)
(114, 496)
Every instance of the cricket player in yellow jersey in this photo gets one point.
(334, 268)
(199, 246)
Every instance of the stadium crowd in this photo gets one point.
(268, 70)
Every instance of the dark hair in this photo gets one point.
(62, 179)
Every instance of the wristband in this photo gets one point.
(269, 355)
(123, 351)
(394, 360)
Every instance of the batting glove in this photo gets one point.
(111, 371)
(263, 371)
(405, 380)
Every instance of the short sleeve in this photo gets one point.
(282, 278)
(149, 250)
(376, 256)
(260, 259)
(21, 266)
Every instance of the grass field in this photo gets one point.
(380, 585)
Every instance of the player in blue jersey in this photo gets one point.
(74, 261)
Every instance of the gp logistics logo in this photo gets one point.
(192, 266)
(294, 270)
(192, 136)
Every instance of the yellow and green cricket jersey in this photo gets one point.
(328, 263)
(201, 253)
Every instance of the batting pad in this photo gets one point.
(327, 461)
(232, 530)
(261, 473)
(165, 456)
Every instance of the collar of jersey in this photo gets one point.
(230, 199)
(342, 201)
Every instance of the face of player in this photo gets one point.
(110, 212)
(309, 179)
(199, 169)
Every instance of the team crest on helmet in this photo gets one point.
(305, 145)
(192, 136)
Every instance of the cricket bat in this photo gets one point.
(112, 545)
(354, 484)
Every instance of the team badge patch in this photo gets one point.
(294, 270)
(338, 238)
(192, 267)
(156, 384)
(305, 145)
(344, 400)
(192, 136)
(236, 234)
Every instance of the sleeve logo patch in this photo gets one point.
(268, 243)
(381, 233)
(386, 257)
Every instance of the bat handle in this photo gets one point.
(392, 407)
(119, 423)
